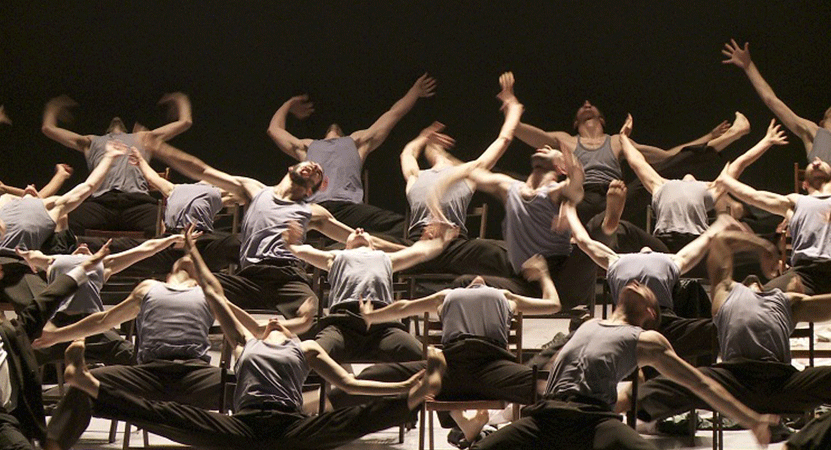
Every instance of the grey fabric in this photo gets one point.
(596, 358)
(272, 374)
(681, 206)
(527, 226)
(173, 324)
(821, 147)
(87, 299)
(600, 165)
(342, 165)
(28, 224)
(811, 229)
(755, 326)
(476, 310)
(266, 218)
(655, 270)
(454, 203)
(360, 273)
(122, 175)
(192, 203)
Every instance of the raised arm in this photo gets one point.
(648, 176)
(36, 260)
(740, 57)
(654, 350)
(99, 322)
(117, 262)
(720, 261)
(433, 240)
(300, 107)
(773, 136)
(691, 254)
(153, 178)
(62, 173)
(371, 138)
(233, 330)
(769, 201)
(656, 155)
(58, 109)
(402, 308)
(292, 236)
(69, 201)
(602, 255)
(179, 109)
(513, 111)
(323, 221)
(410, 153)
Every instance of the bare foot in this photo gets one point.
(471, 426)
(615, 202)
(76, 373)
(740, 127)
(430, 383)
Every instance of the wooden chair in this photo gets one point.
(113, 234)
(431, 335)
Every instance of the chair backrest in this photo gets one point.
(113, 234)
(432, 330)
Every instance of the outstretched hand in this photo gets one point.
(300, 106)
(135, 157)
(4, 118)
(506, 82)
(434, 135)
(740, 56)
(190, 237)
(425, 86)
(626, 129)
(97, 257)
(775, 135)
(64, 170)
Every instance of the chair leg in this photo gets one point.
(421, 428)
(113, 431)
(432, 444)
(401, 430)
(693, 426)
(146, 438)
(125, 445)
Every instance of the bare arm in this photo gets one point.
(402, 308)
(740, 56)
(301, 107)
(538, 138)
(648, 176)
(117, 262)
(720, 260)
(654, 350)
(69, 201)
(769, 201)
(327, 368)
(323, 221)
(434, 238)
(815, 308)
(410, 153)
(371, 138)
(774, 136)
(153, 178)
(36, 260)
(319, 258)
(513, 111)
(58, 109)
(655, 154)
(496, 184)
(602, 255)
(62, 173)
(179, 107)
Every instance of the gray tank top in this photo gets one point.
(476, 310)
(821, 147)
(681, 207)
(122, 175)
(87, 299)
(453, 205)
(600, 165)
(270, 376)
(655, 270)
(262, 228)
(28, 224)
(810, 228)
(342, 164)
(360, 273)
(755, 325)
(192, 203)
(527, 226)
(596, 358)
(173, 324)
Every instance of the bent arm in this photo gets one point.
(488, 158)
(409, 158)
(602, 255)
(323, 221)
(403, 308)
(648, 176)
(327, 368)
(117, 262)
(54, 109)
(287, 142)
(538, 138)
(153, 178)
(179, 105)
(530, 305)
(57, 181)
(420, 251)
(69, 201)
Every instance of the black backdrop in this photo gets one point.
(239, 61)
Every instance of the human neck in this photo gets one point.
(591, 129)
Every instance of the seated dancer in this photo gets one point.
(682, 207)
(463, 255)
(342, 158)
(475, 327)
(576, 412)
(600, 153)
(362, 272)
(62, 173)
(660, 272)
(620, 235)
(196, 203)
(21, 413)
(121, 202)
(754, 327)
(808, 224)
(271, 277)
(270, 368)
(31, 220)
(815, 137)
(107, 347)
(173, 319)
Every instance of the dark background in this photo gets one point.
(238, 61)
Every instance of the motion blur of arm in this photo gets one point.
(300, 107)
(536, 269)
(179, 109)
(69, 201)
(513, 111)
(433, 240)
(58, 109)
(62, 173)
(153, 178)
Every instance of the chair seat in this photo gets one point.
(438, 405)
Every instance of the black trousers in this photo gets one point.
(594, 201)
(345, 338)
(628, 238)
(694, 340)
(20, 285)
(251, 429)
(816, 278)
(554, 424)
(11, 437)
(766, 387)
(269, 286)
(116, 210)
(469, 256)
(193, 383)
(107, 347)
(816, 435)
(371, 218)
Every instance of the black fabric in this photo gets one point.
(816, 435)
(469, 256)
(107, 347)
(371, 218)
(278, 286)
(116, 210)
(815, 278)
(594, 201)
(627, 238)
(344, 336)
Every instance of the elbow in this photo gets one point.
(186, 123)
